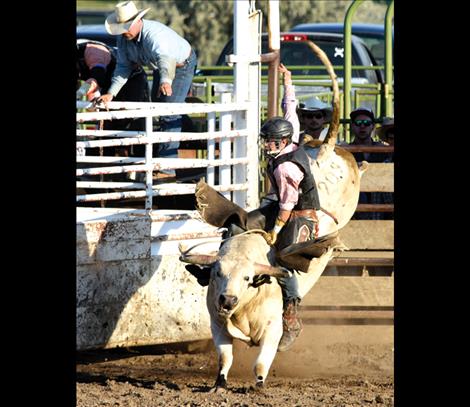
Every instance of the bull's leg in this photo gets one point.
(224, 347)
(268, 349)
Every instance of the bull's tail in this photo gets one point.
(332, 135)
(363, 168)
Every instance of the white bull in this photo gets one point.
(238, 308)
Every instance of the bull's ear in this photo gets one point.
(271, 271)
(201, 273)
(260, 279)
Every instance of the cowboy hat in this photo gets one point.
(387, 124)
(123, 17)
(314, 105)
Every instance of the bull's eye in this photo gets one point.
(246, 278)
(219, 274)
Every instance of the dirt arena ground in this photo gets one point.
(337, 366)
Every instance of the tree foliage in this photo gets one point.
(208, 24)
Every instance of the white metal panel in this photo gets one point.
(127, 295)
(247, 46)
(211, 148)
(225, 144)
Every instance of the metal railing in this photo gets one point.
(233, 120)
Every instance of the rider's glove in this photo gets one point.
(272, 234)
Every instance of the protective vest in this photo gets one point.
(308, 193)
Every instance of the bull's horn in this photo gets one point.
(201, 259)
(270, 270)
(331, 136)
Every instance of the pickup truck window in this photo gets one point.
(298, 52)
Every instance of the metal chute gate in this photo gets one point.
(237, 161)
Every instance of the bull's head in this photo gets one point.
(235, 281)
(232, 281)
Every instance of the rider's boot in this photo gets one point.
(291, 324)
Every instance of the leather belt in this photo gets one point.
(186, 60)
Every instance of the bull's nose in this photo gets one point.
(228, 301)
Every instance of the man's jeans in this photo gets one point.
(289, 288)
(180, 88)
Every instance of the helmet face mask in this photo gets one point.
(272, 146)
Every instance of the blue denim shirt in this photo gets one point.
(157, 46)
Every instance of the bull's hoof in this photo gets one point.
(258, 388)
(218, 390)
(220, 385)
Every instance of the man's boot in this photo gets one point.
(291, 325)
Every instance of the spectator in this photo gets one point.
(145, 42)
(95, 65)
(314, 116)
(362, 128)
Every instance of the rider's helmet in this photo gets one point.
(273, 131)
